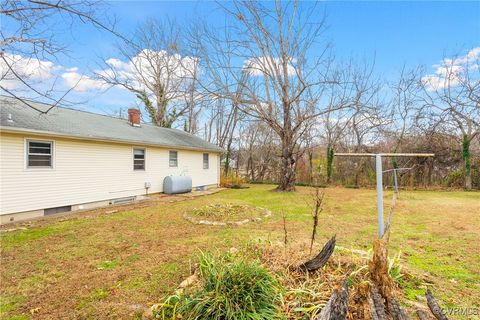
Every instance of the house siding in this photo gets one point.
(88, 171)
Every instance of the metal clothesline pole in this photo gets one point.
(379, 177)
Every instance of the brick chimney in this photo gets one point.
(134, 117)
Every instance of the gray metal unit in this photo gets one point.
(177, 184)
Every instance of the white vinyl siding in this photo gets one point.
(86, 171)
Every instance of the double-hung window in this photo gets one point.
(39, 154)
(138, 159)
(173, 158)
(205, 161)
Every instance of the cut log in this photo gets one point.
(321, 259)
(337, 306)
(377, 308)
(422, 315)
(434, 307)
(396, 311)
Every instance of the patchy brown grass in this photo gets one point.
(112, 265)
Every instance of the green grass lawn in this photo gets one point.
(109, 265)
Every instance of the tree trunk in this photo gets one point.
(329, 163)
(227, 162)
(357, 177)
(228, 156)
(467, 163)
(251, 168)
(287, 170)
(310, 167)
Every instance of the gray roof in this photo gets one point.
(62, 121)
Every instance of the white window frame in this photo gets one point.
(169, 159)
(208, 161)
(52, 154)
(144, 159)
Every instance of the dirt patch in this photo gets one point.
(226, 214)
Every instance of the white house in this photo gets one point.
(67, 160)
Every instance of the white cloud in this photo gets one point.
(448, 71)
(265, 65)
(31, 69)
(82, 83)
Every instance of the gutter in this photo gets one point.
(109, 140)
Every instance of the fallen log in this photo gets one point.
(434, 307)
(321, 259)
(422, 315)
(396, 311)
(377, 308)
(337, 306)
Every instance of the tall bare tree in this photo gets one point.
(278, 46)
(405, 104)
(452, 96)
(154, 66)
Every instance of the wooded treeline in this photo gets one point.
(267, 87)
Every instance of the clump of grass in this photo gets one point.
(107, 265)
(395, 268)
(230, 289)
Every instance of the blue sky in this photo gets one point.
(395, 33)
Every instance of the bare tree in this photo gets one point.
(333, 127)
(405, 103)
(260, 149)
(356, 111)
(273, 44)
(154, 67)
(348, 96)
(452, 96)
(30, 39)
(225, 118)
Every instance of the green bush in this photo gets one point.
(455, 178)
(230, 290)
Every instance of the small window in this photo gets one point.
(39, 154)
(205, 161)
(173, 159)
(138, 159)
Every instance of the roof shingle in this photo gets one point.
(91, 126)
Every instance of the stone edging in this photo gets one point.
(266, 213)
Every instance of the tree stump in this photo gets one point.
(378, 268)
